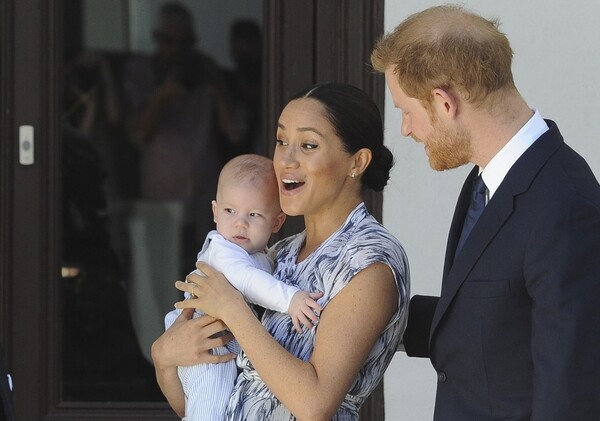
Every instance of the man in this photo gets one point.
(515, 332)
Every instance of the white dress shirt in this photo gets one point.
(500, 164)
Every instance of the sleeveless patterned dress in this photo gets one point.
(360, 242)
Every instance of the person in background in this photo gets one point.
(514, 334)
(244, 83)
(329, 148)
(177, 104)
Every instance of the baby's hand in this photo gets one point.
(304, 310)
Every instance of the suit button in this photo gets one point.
(442, 377)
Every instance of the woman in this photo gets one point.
(329, 147)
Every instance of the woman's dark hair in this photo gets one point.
(357, 121)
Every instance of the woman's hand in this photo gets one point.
(214, 295)
(188, 341)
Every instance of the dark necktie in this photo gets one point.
(475, 209)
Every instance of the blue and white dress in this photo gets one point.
(360, 242)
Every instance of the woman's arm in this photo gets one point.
(261, 287)
(187, 342)
(258, 286)
(347, 331)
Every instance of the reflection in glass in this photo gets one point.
(149, 118)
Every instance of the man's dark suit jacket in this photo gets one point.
(515, 334)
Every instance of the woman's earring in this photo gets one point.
(353, 175)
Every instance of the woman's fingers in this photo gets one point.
(205, 268)
(209, 326)
(211, 293)
(186, 314)
(187, 286)
(215, 359)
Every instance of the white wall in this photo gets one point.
(556, 68)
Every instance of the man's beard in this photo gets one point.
(448, 148)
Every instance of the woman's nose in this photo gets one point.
(286, 156)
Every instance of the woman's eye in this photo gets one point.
(310, 146)
(280, 142)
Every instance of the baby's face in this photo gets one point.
(247, 216)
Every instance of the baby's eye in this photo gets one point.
(255, 214)
(229, 210)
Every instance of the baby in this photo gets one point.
(246, 212)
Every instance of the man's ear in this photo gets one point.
(445, 103)
(279, 220)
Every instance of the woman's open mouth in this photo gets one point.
(291, 184)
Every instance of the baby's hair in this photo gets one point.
(251, 169)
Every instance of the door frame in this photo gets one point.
(30, 204)
(305, 43)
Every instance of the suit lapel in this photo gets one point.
(495, 214)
